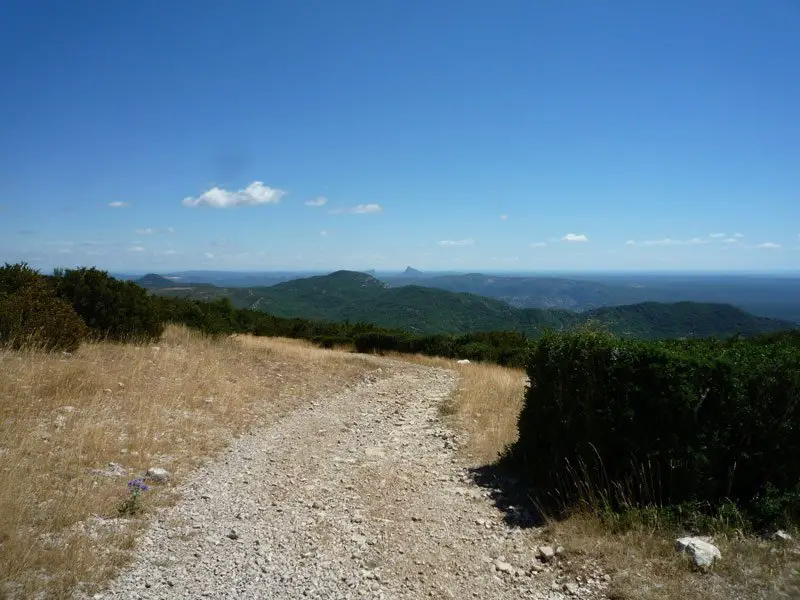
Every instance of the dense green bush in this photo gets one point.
(112, 309)
(650, 423)
(31, 316)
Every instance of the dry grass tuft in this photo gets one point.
(643, 563)
(485, 406)
(63, 419)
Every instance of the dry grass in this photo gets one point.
(170, 405)
(643, 562)
(486, 405)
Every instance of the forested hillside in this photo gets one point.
(354, 296)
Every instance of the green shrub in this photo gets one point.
(112, 309)
(636, 423)
(15, 277)
(32, 317)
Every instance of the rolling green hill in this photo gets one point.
(353, 296)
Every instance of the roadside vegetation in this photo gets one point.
(84, 416)
(622, 444)
(630, 524)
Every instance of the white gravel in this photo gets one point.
(359, 495)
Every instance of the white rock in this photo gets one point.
(782, 536)
(702, 553)
(546, 553)
(157, 474)
(573, 589)
(503, 567)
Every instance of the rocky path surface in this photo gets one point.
(359, 495)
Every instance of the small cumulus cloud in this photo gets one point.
(360, 209)
(504, 217)
(253, 194)
(738, 235)
(208, 255)
(64, 251)
(363, 209)
(630, 243)
(118, 204)
(538, 244)
(769, 245)
(466, 242)
(574, 237)
(717, 235)
(137, 249)
(318, 201)
(323, 233)
(730, 240)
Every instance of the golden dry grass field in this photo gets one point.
(173, 404)
(63, 419)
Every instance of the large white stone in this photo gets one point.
(702, 553)
(157, 474)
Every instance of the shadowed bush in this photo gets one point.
(32, 317)
(634, 423)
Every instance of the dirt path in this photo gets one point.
(356, 495)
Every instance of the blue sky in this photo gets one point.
(510, 135)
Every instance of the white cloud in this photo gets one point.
(170, 252)
(467, 242)
(318, 201)
(361, 209)
(169, 230)
(538, 245)
(769, 245)
(717, 235)
(504, 217)
(255, 193)
(323, 233)
(136, 249)
(574, 237)
(208, 255)
(668, 242)
(738, 235)
(730, 240)
(65, 251)
(118, 204)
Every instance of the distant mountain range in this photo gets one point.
(355, 296)
(763, 295)
(768, 296)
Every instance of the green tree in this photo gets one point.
(112, 309)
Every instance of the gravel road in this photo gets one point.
(358, 495)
